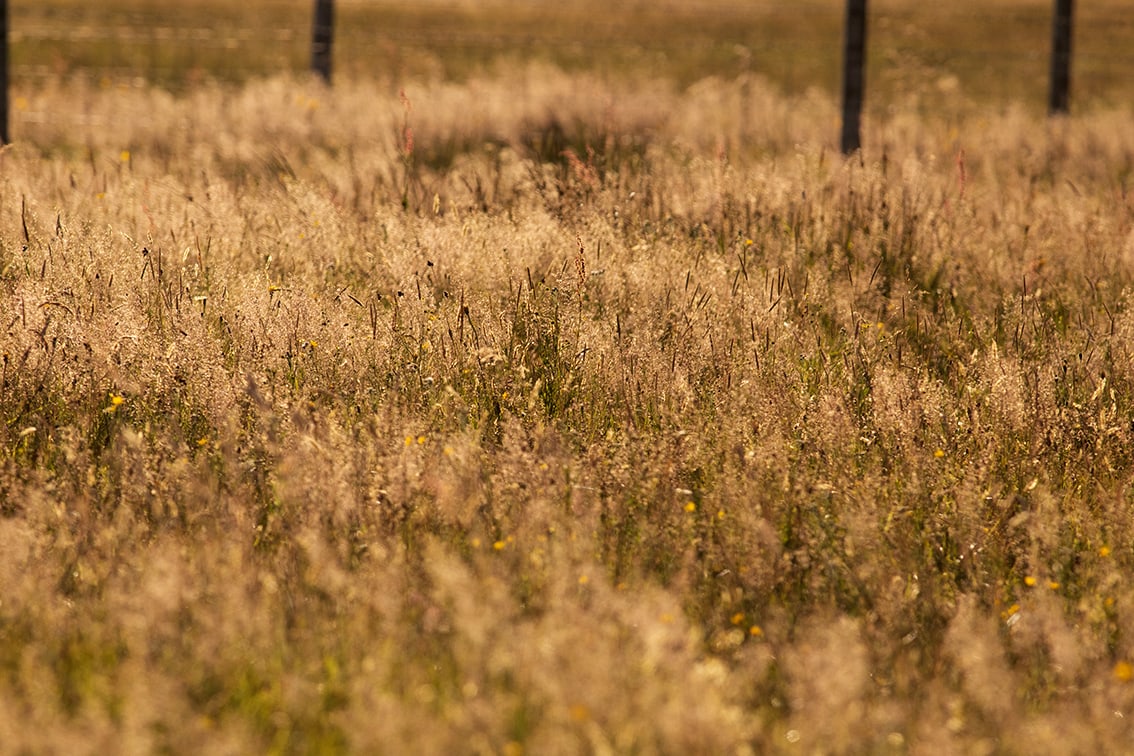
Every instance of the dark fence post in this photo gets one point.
(321, 35)
(854, 55)
(1059, 101)
(4, 134)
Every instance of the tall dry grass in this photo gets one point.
(552, 414)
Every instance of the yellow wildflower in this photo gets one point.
(580, 713)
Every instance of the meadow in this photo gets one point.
(519, 402)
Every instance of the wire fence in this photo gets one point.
(992, 50)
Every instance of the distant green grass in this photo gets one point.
(940, 57)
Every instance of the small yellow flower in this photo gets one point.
(124, 156)
(409, 440)
(720, 514)
(1029, 581)
(756, 631)
(1104, 551)
(939, 453)
(737, 618)
(421, 440)
(1010, 612)
(691, 507)
(1124, 671)
(499, 545)
(116, 400)
(1053, 585)
(583, 580)
(202, 441)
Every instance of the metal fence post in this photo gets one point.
(854, 56)
(1059, 100)
(321, 36)
(4, 133)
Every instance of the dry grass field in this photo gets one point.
(559, 408)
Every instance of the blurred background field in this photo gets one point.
(940, 55)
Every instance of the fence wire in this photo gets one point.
(796, 45)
